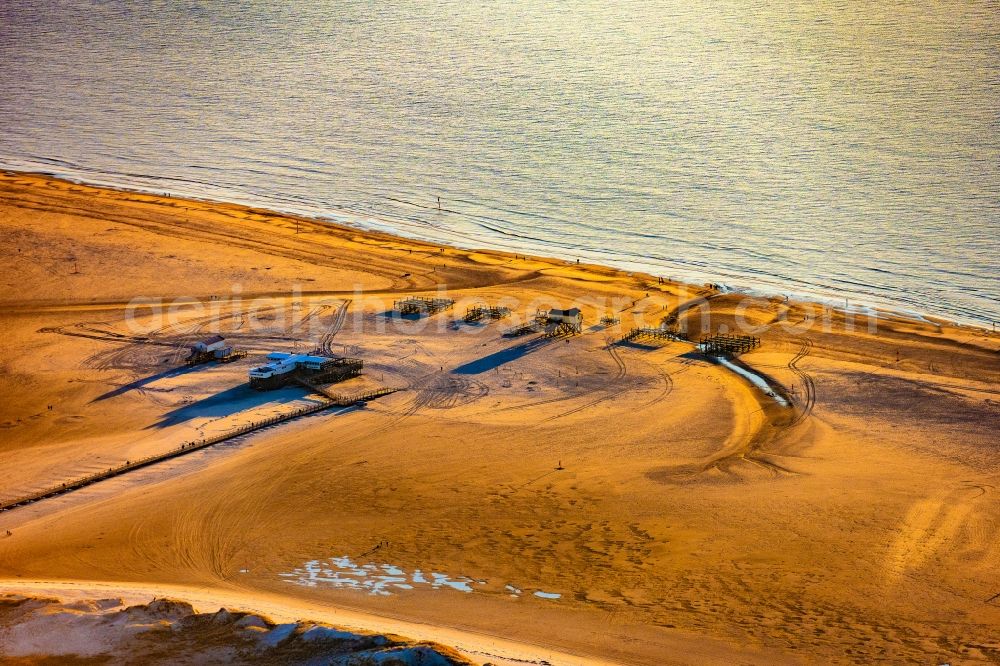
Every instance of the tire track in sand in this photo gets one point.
(622, 371)
(809, 386)
(946, 520)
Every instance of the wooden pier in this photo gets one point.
(728, 345)
(333, 400)
(422, 305)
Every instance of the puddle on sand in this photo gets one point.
(547, 595)
(384, 579)
(754, 378)
(377, 579)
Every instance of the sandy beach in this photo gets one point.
(569, 499)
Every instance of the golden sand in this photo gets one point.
(681, 514)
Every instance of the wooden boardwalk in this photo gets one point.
(333, 400)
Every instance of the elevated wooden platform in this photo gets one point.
(728, 345)
(523, 329)
(338, 371)
(342, 399)
(651, 334)
(477, 313)
(422, 304)
(197, 358)
(321, 370)
(559, 322)
(553, 329)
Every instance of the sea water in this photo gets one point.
(845, 149)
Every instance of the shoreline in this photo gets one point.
(350, 220)
(496, 463)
